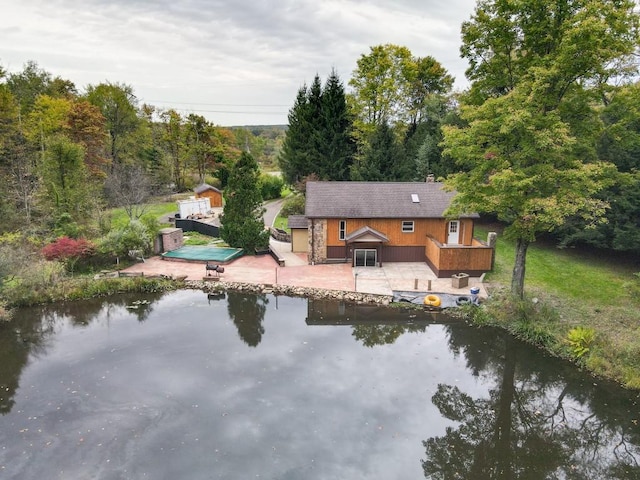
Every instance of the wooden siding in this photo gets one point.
(392, 228)
(215, 198)
(447, 260)
(403, 254)
(337, 252)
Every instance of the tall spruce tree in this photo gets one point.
(293, 159)
(319, 139)
(242, 223)
(338, 144)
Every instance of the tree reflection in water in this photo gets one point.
(537, 422)
(30, 329)
(247, 313)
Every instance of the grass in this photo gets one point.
(119, 217)
(567, 290)
(195, 238)
(281, 223)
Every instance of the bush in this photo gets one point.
(134, 236)
(580, 340)
(270, 186)
(293, 206)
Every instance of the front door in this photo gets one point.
(364, 257)
(454, 232)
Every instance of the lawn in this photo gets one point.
(119, 217)
(582, 289)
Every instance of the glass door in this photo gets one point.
(365, 257)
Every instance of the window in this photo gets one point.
(342, 229)
(407, 226)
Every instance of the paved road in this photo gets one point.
(272, 207)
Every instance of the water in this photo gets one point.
(185, 386)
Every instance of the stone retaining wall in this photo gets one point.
(354, 297)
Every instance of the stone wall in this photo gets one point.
(317, 241)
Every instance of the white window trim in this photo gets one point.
(406, 224)
(342, 229)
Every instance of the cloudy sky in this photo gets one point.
(236, 62)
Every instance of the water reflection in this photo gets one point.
(90, 390)
(538, 420)
(29, 332)
(247, 313)
(371, 324)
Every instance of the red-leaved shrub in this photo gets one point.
(65, 248)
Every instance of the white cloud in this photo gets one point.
(216, 56)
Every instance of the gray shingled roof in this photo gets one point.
(376, 200)
(204, 187)
(297, 221)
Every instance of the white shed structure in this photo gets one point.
(194, 206)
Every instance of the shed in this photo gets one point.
(212, 193)
(299, 226)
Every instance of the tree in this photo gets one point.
(384, 159)
(198, 140)
(117, 103)
(173, 139)
(529, 61)
(85, 125)
(294, 157)
(378, 84)
(319, 139)
(27, 85)
(64, 179)
(390, 84)
(128, 186)
(337, 143)
(241, 221)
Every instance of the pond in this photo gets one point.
(238, 386)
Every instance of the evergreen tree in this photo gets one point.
(293, 159)
(339, 146)
(319, 139)
(242, 224)
(384, 159)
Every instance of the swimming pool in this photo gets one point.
(202, 253)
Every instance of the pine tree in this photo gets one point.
(319, 140)
(339, 146)
(293, 159)
(242, 224)
(384, 159)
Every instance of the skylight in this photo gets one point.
(414, 198)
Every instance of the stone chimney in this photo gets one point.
(431, 178)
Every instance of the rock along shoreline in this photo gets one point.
(291, 291)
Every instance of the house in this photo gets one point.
(368, 223)
(212, 193)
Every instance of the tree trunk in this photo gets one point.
(517, 278)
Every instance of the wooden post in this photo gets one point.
(428, 285)
(415, 283)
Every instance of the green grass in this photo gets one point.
(281, 223)
(568, 289)
(119, 217)
(195, 238)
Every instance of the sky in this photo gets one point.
(235, 62)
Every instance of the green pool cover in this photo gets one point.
(205, 253)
